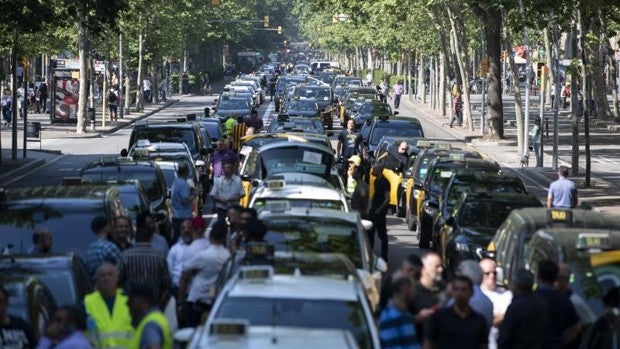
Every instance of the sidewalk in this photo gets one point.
(603, 195)
(11, 168)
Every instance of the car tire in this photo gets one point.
(411, 224)
(424, 238)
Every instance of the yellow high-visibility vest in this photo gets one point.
(160, 319)
(113, 330)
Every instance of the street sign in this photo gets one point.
(484, 66)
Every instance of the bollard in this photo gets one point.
(90, 114)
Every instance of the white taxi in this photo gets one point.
(299, 190)
(266, 299)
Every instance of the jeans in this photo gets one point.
(396, 101)
(379, 225)
(537, 154)
(458, 117)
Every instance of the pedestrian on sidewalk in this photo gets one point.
(457, 110)
(146, 85)
(43, 94)
(398, 91)
(536, 140)
(113, 104)
(6, 108)
(563, 191)
(163, 88)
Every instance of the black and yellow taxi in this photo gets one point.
(511, 242)
(573, 247)
(287, 123)
(415, 193)
(300, 106)
(473, 222)
(285, 156)
(439, 173)
(395, 164)
(324, 96)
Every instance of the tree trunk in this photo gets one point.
(549, 63)
(83, 87)
(574, 82)
(441, 89)
(139, 78)
(586, 96)
(462, 61)
(444, 60)
(593, 50)
(495, 108)
(521, 132)
(422, 79)
(613, 72)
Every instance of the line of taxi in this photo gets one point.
(315, 258)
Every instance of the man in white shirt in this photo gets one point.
(227, 189)
(146, 85)
(500, 297)
(177, 253)
(203, 269)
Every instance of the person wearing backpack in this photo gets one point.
(113, 104)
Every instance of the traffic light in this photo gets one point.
(279, 29)
(266, 22)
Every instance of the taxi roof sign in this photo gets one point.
(593, 242)
(277, 206)
(275, 184)
(442, 146)
(559, 216)
(256, 273)
(457, 157)
(424, 144)
(259, 249)
(229, 327)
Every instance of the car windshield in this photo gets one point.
(295, 159)
(486, 214)
(458, 189)
(147, 178)
(233, 104)
(317, 93)
(213, 130)
(302, 105)
(396, 131)
(375, 108)
(304, 203)
(305, 313)
(171, 135)
(314, 234)
(69, 224)
(132, 203)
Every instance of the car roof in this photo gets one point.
(294, 286)
(287, 144)
(83, 192)
(295, 212)
(548, 217)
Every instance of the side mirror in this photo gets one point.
(255, 183)
(159, 217)
(381, 265)
(418, 186)
(450, 221)
(183, 336)
(367, 224)
(124, 152)
(407, 174)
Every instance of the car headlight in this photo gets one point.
(430, 210)
(461, 247)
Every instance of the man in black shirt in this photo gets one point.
(14, 332)
(378, 210)
(526, 316)
(349, 141)
(563, 325)
(457, 326)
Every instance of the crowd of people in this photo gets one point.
(419, 309)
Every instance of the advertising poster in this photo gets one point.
(66, 91)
